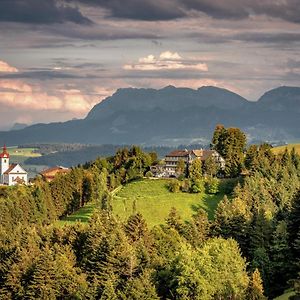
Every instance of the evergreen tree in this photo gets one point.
(255, 289)
(230, 143)
(195, 170)
(198, 229)
(136, 227)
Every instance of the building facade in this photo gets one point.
(188, 156)
(11, 174)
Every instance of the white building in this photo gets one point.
(188, 156)
(11, 174)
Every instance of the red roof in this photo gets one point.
(4, 153)
(11, 167)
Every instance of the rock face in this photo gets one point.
(172, 116)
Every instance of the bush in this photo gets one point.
(186, 185)
(212, 185)
(198, 186)
(181, 177)
(149, 174)
(174, 186)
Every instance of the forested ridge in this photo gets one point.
(251, 249)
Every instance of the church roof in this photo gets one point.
(4, 153)
(12, 167)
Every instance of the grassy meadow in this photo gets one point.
(281, 149)
(19, 155)
(153, 200)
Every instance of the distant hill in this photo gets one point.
(18, 126)
(81, 154)
(172, 116)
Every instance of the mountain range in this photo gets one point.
(172, 116)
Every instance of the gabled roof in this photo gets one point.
(12, 167)
(198, 152)
(58, 169)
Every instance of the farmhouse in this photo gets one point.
(50, 174)
(11, 174)
(188, 156)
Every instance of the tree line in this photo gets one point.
(250, 249)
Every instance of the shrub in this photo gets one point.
(198, 186)
(174, 186)
(149, 174)
(212, 185)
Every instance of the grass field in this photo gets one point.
(280, 149)
(19, 155)
(81, 215)
(153, 200)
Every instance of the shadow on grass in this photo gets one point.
(82, 215)
(209, 203)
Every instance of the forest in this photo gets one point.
(249, 250)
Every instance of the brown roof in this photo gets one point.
(206, 154)
(181, 153)
(58, 169)
(11, 167)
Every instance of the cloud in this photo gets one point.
(147, 10)
(166, 61)
(20, 95)
(40, 75)
(40, 12)
(6, 68)
(160, 10)
(288, 10)
(266, 37)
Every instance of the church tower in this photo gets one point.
(4, 162)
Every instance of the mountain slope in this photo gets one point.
(172, 116)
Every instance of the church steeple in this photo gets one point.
(4, 162)
(4, 153)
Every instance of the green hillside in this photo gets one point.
(280, 149)
(153, 200)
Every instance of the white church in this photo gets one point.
(11, 174)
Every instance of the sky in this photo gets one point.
(60, 58)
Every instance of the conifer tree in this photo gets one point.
(255, 289)
(136, 227)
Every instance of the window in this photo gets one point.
(4, 160)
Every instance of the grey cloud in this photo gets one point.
(150, 10)
(288, 10)
(284, 37)
(147, 10)
(40, 12)
(41, 75)
(92, 33)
